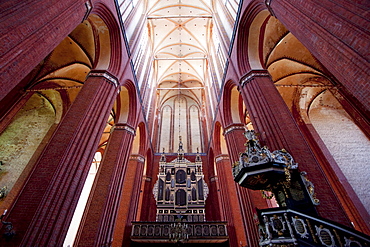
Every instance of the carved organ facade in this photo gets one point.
(180, 191)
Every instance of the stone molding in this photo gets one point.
(233, 127)
(222, 157)
(137, 157)
(124, 127)
(252, 74)
(268, 5)
(88, 6)
(111, 79)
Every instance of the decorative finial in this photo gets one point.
(198, 159)
(180, 151)
(163, 157)
(249, 134)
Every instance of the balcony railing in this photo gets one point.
(285, 227)
(186, 232)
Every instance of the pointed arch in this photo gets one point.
(113, 60)
(248, 39)
(232, 104)
(126, 104)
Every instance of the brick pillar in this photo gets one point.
(249, 200)
(274, 122)
(214, 210)
(230, 202)
(44, 208)
(30, 30)
(129, 201)
(337, 34)
(148, 203)
(101, 212)
(213, 203)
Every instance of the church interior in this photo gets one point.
(184, 123)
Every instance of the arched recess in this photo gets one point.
(195, 129)
(249, 36)
(343, 139)
(165, 131)
(180, 120)
(232, 104)
(300, 78)
(180, 115)
(312, 96)
(109, 31)
(219, 142)
(50, 88)
(62, 73)
(139, 144)
(66, 68)
(20, 140)
(125, 105)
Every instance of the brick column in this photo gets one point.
(273, 121)
(214, 210)
(213, 203)
(30, 30)
(129, 201)
(44, 208)
(230, 202)
(101, 212)
(249, 200)
(337, 34)
(148, 204)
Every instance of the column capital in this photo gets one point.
(268, 5)
(88, 6)
(252, 74)
(103, 73)
(126, 127)
(221, 157)
(236, 126)
(137, 157)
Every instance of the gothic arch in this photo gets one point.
(112, 33)
(249, 36)
(232, 104)
(219, 143)
(327, 118)
(51, 87)
(300, 78)
(140, 143)
(125, 106)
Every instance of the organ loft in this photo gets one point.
(180, 191)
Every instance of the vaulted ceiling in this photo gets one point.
(180, 31)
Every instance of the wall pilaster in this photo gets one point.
(230, 202)
(100, 217)
(335, 33)
(44, 208)
(129, 201)
(248, 200)
(277, 128)
(31, 29)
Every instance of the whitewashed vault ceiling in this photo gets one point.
(180, 31)
(176, 48)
